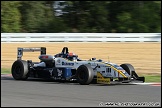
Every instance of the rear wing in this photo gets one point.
(21, 50)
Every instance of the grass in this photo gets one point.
(148, 77)
(5, 71)
(152, 78)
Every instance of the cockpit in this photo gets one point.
(68, 55)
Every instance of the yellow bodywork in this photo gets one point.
(101, 79)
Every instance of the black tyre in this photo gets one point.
(84, 74)
(20, 70)
(129, 69)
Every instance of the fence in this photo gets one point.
(80, 37)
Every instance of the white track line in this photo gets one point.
(6, 75)
(151, 84)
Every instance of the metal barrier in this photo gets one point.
(80, 37)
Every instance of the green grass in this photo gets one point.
(152, 78)
(5, 71)
(148, 77)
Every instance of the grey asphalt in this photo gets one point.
(40, 93)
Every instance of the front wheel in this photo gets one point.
(84, 74)
(129, 69)
(20, 70)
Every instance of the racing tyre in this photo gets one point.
(129, 69)
(20, 70)
(84, 74)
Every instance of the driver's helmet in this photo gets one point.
(71, 56)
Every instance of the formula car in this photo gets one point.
(66, 66)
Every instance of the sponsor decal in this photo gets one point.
(108, 70)
(101, 79)
(65, 63)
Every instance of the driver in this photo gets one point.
(72, 56)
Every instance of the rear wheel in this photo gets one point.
(20, 70)
(84, 74)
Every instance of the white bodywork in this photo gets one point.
(107, 69)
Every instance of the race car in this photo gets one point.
(66, 66)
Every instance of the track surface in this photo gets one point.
(39, 93)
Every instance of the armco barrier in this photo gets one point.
(80, 37)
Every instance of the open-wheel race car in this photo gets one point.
(66, 66)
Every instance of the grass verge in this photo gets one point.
(5, 71)
(148, 77)
(152, 78)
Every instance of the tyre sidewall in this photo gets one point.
(127, 68)
(87, 72)
(22, 65)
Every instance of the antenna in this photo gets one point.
(108, 59)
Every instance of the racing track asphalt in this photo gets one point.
(39, 93)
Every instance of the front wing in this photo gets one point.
(103, 80)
